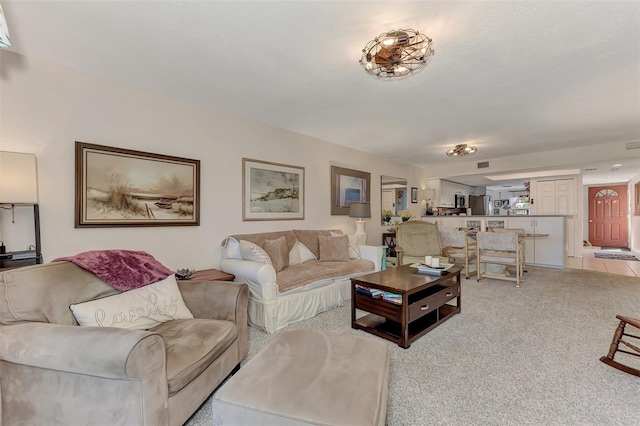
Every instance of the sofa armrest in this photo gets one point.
(113, 353)
(260, 277)
(372, 253)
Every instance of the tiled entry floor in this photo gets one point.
(589, 262)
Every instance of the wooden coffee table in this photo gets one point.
(424, 303)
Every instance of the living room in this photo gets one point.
(48, 103)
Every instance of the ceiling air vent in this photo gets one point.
(633, 145)
(483, 164)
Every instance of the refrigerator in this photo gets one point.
(479, 205)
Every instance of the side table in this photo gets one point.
(211, 275)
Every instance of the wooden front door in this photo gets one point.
(608, 216)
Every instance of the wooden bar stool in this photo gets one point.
(615, 343)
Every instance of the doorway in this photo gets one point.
(608, 216)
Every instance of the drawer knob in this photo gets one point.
(449, 294)
(424, 307)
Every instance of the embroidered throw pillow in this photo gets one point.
(334, 249)
(139, 309)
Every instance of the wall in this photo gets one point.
(634, 229)
(46, 108)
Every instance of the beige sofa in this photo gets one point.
(307, 285)
(54, 372)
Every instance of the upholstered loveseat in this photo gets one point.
(55, 372)
(296, 274)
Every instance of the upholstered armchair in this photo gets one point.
(500, 248)
(416, 239)
(459, 247)
(56, 372)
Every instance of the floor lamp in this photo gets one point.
(360, 210)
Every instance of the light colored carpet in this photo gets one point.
(514, 356)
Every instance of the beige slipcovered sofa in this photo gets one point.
(55, 372)
(309, 281)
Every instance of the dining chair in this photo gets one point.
(460, 247)
(501, 248)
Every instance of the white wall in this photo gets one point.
(634, 228)
(45, 108)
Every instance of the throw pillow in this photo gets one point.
(334, 248)
(354, 246)
(278, 253)
(305, 253)
(251, 251)
(294, 255)
(139, 309)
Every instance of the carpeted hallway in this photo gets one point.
(527, 356)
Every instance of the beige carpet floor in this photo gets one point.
(514, 356)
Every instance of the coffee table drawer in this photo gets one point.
(424, 306)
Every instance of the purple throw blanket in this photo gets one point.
(122, 269)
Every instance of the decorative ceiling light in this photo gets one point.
(460, 150)
(4, 31)
(396, 53)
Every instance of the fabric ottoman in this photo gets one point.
(305, 377)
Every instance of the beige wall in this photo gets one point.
(45, 108)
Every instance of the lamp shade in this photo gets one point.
(18, 178)
(360, 210)
(4, 31)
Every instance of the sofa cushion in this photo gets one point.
(191, 346)
(43, 293)
(354, 246)
(310, 238)
(253, 252)
(333, 249)
(278, 252)
(260, 238)
(296, 276)
(138, 309)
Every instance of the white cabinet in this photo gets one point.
(554, 196)
(446, 192)
(543, 251)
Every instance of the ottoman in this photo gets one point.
(305, 377)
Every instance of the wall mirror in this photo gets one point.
(393, 198)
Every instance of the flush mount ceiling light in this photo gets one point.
(460, 150)
(396, 53)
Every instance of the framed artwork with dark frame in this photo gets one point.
(637, 199)
(272, 191)
(348, 186)
(118, 187)
(414, 195)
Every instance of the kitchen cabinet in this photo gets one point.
(554, 197)
(446, 192)
(543, 251)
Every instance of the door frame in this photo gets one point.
(586, 207)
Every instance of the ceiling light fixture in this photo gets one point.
(396, 53)
(460, 150)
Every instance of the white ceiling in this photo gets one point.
(511, 77)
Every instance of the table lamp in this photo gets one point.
(360, 210)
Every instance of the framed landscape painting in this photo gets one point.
(272, 191)
(118, 187)
(348, 186)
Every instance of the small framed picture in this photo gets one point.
(497, 204)
(414, 195)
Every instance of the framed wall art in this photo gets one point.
(348, 186)
(272, 191)
(414, 195)
(118, 187)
